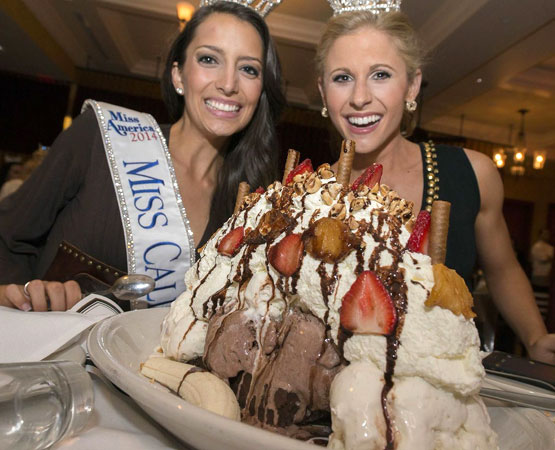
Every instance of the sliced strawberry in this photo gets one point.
(260, 190)
(286, 255)
(369, 177)
(367, 307)
(305, 166)
(231, 242)
(418, 240)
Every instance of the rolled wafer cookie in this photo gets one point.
(291, 162)
(345, 163)
(243, 190)
(197, 386)
(439, 229)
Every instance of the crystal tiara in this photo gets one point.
(374, 6)
(262, 7)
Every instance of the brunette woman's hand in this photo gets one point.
(40, 295)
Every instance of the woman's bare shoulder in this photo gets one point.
(482, 164)
(487, 174)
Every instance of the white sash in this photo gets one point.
(158, 237)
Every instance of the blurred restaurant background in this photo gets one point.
(489, 85)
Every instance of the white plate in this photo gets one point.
(119, 344)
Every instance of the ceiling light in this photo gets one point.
(539, 159)
(499, 157)
(520, 150)
(518, 163)
(184, 12)
(519, 156)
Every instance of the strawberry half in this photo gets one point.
(367, 307)
(305, 166)
(231, 242)
(369, 177)
(260, 190)
(418, 240)
(286, 255)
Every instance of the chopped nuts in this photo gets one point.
(338, 211)
(334, 189)
(363, 190)
(324, 171)
(264, 229)
(301, 177)
(250, 199)
(313, 183)
(394, 205)
(326, 198)
(358, 203)
(353, 224)
(299, 188)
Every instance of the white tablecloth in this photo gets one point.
(118, 423)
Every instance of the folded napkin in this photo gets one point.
(32, 336)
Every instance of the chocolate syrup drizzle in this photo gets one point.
(191, 371)
(393, 279)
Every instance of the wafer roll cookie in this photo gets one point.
(437, 247)
(243, 190)
(345, 162)
(291, 162)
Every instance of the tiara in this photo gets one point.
(262, 7)
(374, 6)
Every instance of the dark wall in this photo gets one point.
(31, 111)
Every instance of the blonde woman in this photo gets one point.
(369, 69)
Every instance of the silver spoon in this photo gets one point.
(130, 287)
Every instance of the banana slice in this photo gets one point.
(198, 387)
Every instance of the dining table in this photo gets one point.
(118, 421)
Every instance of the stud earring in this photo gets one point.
(410, 106)
(179, 91)
(324, 112)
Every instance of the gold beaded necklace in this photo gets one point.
(432, 175)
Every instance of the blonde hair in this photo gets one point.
(395, 24)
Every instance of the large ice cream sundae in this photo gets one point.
(318, 298)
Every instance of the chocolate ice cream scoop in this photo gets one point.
(281, 371)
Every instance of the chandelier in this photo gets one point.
(518, 161)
